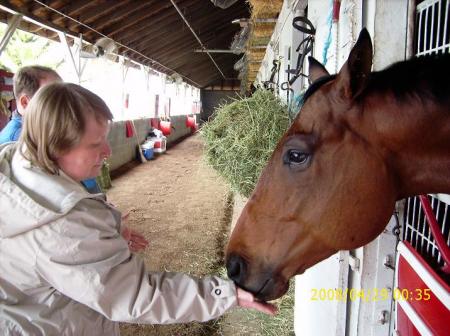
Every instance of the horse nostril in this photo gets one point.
(236, 267)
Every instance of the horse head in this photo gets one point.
(329, 185)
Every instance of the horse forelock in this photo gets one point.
(316, 85)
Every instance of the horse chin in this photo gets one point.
(272, 289)
(264, 284)
(277, 285)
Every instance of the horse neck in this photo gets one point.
(415, 136)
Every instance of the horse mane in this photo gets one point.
(425, 77)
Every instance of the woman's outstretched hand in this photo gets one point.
(247, 300)
(136, 241)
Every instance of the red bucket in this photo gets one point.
(154, 122)
(165, 127)
(190, 122)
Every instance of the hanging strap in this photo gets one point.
(270, 84)
(307, 45)
(304, 25)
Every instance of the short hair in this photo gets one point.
(27, 79)
(55, 122)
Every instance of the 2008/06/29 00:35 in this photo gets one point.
(370, 294)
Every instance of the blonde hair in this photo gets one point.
(55, 122)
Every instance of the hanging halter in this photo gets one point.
(304, 25)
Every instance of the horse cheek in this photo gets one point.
(374, 207)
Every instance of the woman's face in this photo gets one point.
(85, 159)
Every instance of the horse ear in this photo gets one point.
(356, 70)
(316, 70)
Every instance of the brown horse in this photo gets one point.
(362, 141)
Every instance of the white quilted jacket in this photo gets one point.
(66, 270)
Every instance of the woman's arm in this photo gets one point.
(84, 257)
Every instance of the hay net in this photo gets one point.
(241, 137)
(240, 40)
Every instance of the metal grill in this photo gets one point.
(432, 35)
(417, 231)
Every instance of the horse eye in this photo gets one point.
(296, 157)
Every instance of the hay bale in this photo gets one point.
(241, 137)
(264, 9)
(262, 30)
(259, 41)
(255, 55)
(254, 67)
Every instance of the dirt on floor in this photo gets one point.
(178, 203)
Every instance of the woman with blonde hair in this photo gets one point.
(65, 268)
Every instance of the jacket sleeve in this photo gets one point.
(84, 257)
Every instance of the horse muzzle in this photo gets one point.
(261, 282)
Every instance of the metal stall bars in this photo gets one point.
(422, 279)
(422, 290)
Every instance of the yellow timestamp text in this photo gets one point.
(370, 294)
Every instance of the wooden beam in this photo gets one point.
(175, 60)
(121, 16)
(167, 18)
(182, 49)
(197, 64)
(184, 58)
(72, 9)
(226, 63)
(171, 44)
(171, 37)
(136, 18)
(181, 43)
(131, 33)
(103, 10)
(87, 17)
(199, 24)
(168, 26)
(165, 15)
(25, 12)
(213, 81)
(34, 7)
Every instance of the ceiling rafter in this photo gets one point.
(150, 32)
(136, 31)
(193, 64)
(170, 30)
(95, 12)
(73, 8)
(133, 19)
(162, 52)
(166, 19)
(120, 17)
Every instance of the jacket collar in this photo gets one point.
(30, 197)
